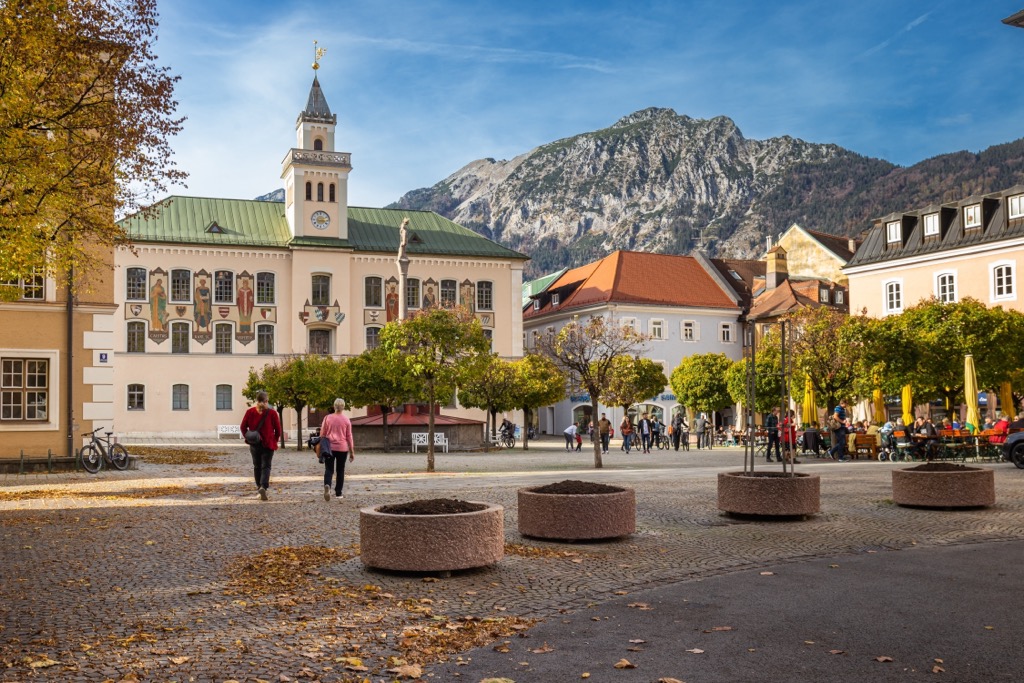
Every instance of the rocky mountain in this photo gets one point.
(274, 196)
(660, 181)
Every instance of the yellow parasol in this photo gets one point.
(1006, 401)
(908, 406)
(971, 392)
(879, 401)
(810, 411)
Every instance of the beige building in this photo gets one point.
(970, 248)
(56, 364)
(215, 287)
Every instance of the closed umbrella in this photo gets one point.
(908, 406)
(879, 402)
(1006, 400)
(971, 392)
(810, 411)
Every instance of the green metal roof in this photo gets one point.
(246, 222)
(534, 287)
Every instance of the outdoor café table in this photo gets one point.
(926, 447)
(956, 443)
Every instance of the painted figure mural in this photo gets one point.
(203, 311)
(158, 306)
(429, 295)
(467, 295)
(245, 302)
(391, 301)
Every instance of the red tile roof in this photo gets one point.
(638, 278)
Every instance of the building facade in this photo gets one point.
(215, 287)
(970, 248)
(681, 302)
(56, 363)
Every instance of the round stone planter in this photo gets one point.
(967, 488)
(577, 517)
(432, 543)
(769, 494)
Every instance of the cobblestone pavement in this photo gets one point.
(127, 574)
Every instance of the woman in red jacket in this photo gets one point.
(263, 419)
(789, 436)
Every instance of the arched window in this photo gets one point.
(309, 192)
(318, 144)
(136, 341)
(319, 192)
(332, 195)
(372, 337)
(374, 292)
(136, 397)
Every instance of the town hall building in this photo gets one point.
(215, 287)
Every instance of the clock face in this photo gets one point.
(320, 220)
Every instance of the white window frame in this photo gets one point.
(232, 280)
(931, 224)
(273, 339)
(188, 288)
(727, 333)
(416, 300)
(231, 338)
(628, 322)
(127, 334)
(127, 397)
(188, 337)
(893, 232)
(823, 295)
(366, 336)
(886, 308)
(840, 297)
(216, 397)
(993, 269)
(694, 335)
(273, 287)
(145, 282)
(188, 397)
(954, 296)
(972, 216)
(379, 284)
(555, 299)
(484, 295)
(316, 301)
(1015, 206)
(53, 389)
(657, 328)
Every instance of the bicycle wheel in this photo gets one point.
(91, 459)
(508, 441)
(119, 456)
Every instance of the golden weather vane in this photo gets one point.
(318, 54)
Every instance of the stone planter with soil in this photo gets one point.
(577, 511)
(944, 485)
(769, 494)
(439, 535)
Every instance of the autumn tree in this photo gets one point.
(699, 382)
(84, 128)
(489, 385)
(539, 382)
(297, 382)
(826, 349)
(433, 346)
(586, 353)
(632, 380)
(371, 379)
(767, 375)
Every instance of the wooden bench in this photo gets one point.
(865, 444)
(420, 439)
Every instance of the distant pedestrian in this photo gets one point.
(700, 425)
(646, 432)
(626, 429)
(261, 429)
(771, 425)
(570, 436)
(604, 427)
(579, 441)
(337, 430)
(680, 432)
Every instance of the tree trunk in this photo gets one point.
(597, 430)
(385, 411)
(430, 425)
(298, 425)
(526, 428)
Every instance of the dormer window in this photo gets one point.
(536, 304)
(555, 299)
(972, 216)
(893, 232)
(1016, 203)
(823, 295)
(931, 224)
(839, 296)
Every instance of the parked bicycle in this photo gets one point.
(99, 449)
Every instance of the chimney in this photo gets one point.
(776, 269)
(851, 244)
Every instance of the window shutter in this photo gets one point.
(696, 332)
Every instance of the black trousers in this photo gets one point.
(773, 438)
(332, 462)
(262, 457)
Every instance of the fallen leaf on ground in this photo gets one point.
(584, 675)
(808, 642)
(624, 664)
(696, 651)
(637, 641)
(883, 658)
(43, 663)
(497, 680)
(407, 671)
(719, 628)
(837, 652)
(833, 566)
(767, 573)
(670, 680)
(542, 649)
(179, 660)
(640, 605)
(937, 669)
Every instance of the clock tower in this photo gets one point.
(315, 176)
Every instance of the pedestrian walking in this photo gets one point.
(645, 429)
(700, 424)
(336, 430)
(771, 425)
(261, 429)
(837, 426)
(626, 429)
(680, 432)
(570, 437)
(604, 428)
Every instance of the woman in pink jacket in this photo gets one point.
(336, 430)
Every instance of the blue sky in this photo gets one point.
(423, 87)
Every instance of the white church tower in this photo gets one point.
(315, 176)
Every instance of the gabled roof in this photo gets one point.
(251, 223)
(741, 275)
(791, 295)
(535, 287)
(635, 277)
(837, 244)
